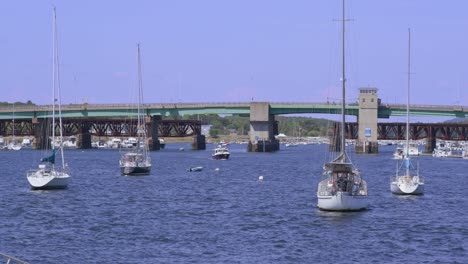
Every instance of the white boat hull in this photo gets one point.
(41, 179)
(405, 185)
(342, 201)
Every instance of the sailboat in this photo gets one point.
(137, 161)
(342, 188)
(408, 182)
(13, 145)
(48, 175)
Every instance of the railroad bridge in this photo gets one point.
(84, 128)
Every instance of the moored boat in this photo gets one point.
(409, 182)
(48, 175)
(342, 187)
(221, 152)
(137, 161)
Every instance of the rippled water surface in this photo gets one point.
(227, 215)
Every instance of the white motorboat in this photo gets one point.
(48, 175)
(14, 146)
(114, 143)
(412, 150)
(221, 152)
(449, 150)
(409, 182)
(342, 187)
(137, 161)
(195, 169)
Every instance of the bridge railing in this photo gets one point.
(420, 106)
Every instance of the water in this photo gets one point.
(228, 216)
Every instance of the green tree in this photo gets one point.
(214, 132)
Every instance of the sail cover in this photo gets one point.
(50, 158)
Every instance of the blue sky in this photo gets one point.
(234, 50)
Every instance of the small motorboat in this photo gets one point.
(199, 168)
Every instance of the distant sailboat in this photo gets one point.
(13, 145)
(137, 161)
(409, 182)
(48, 175)
(341, 187)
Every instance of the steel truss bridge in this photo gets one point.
(397, 131)
(102, 127)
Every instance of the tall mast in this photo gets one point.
(54, 61)
(13, 131)
(56, 87)
(140, 129)
(343, 79)
(139, 84)
(408, 93)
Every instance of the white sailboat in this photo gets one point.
(137, 161)
(409, 182)
(342, 187)
(48, 175)
(13, 145)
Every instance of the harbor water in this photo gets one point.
(224, 214)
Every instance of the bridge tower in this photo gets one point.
(367, 121)
(262, 128)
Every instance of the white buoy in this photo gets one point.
(260, 178)
(217, 169)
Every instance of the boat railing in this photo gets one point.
(10, 259)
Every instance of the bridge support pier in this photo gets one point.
(154, 143)
(262, 129)
(430, 140)
(41, 138)
(198, 142)
(84, 137)
(367, 121)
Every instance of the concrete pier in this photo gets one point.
(198, 142)
(430, 141)
(153, 131)
(262, 129)
(366, 147)
(84, 137)
(367, 121)
(41, 139)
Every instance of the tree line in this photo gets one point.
(289, 125)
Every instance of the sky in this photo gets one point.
(234, 50)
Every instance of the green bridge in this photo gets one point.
(243, 109)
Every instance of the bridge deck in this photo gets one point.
(241, 108)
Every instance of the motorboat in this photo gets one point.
(195, 169)
(412, 150)
(221, 152)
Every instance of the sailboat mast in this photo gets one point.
(139, 85)
(57, 97)
(141, 123)
(343, 79)
(54, 61)
(13, 128)
(408, 93)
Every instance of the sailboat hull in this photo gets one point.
(407, 185)
(48, 179)
(342, 201)
(134, 170)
